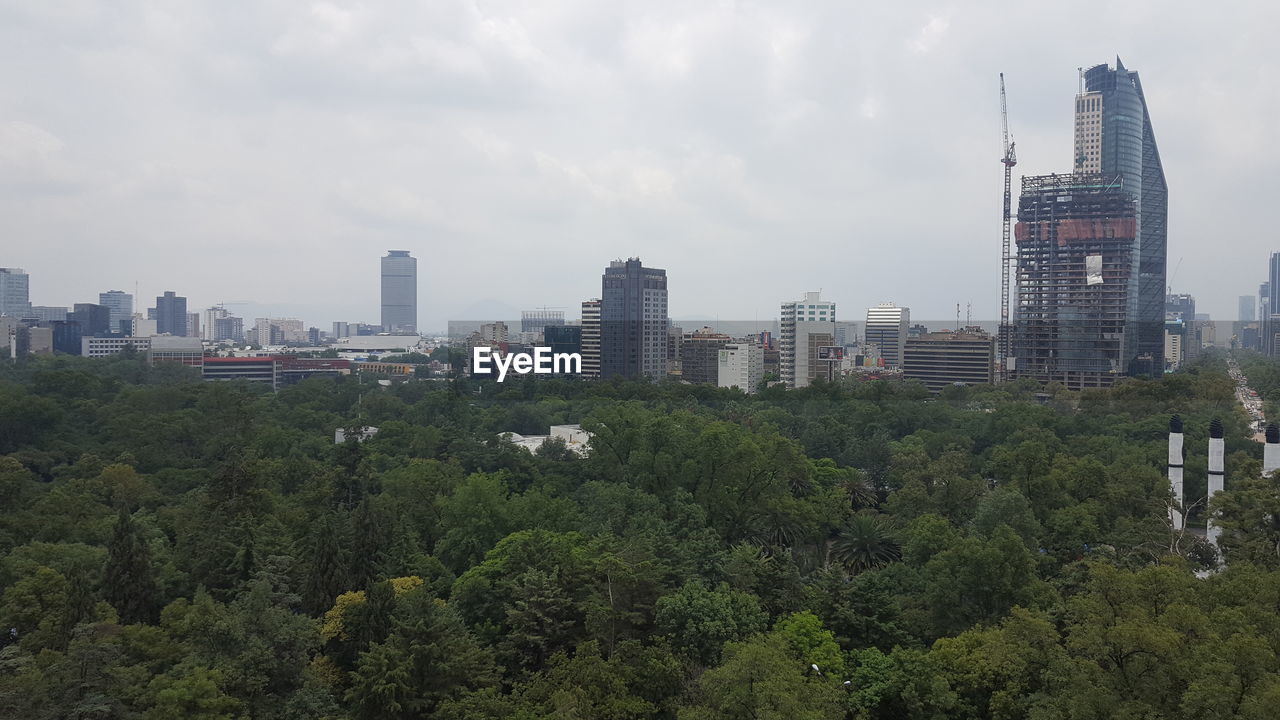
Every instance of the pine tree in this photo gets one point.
(128, 580)
(326, 577)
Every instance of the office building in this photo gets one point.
(228, 329)
(1077, 255)
(888, 327)
(141, 327)
(97, 347)
(700, 356)
(171, 314)
(15, 292)
(943, 359)
(563, 338)
(1114, 138)
(533, 321)
(1181, 319)
(193, 326)
(591, 338)
(170, 348)
(740, 365)
(66, 336)
(120, 305)
(93, 319)
(400, 293)
(208, 328)
(633, 320)
(46, 313)
(804, 326)
(1248, 308)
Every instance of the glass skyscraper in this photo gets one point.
(15, 292)
(399, 293)
(633, 320)
(1114, 137)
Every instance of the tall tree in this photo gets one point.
(128, 579)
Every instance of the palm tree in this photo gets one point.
(866, 542)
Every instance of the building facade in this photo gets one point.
(633, 320)
(1114, 137)
(399, 293)
(740, 365)
(15, 292)
(944, 359)
(888, 327)
(700, 356)
(591, 338)
(120, 305)
(1077, 319)
(802, 324)
(171, 314)
(93, 319)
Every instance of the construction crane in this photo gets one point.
(1006, 257)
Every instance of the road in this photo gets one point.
(1249, 399)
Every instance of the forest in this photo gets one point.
(171, 548)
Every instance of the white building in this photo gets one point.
(887, 329)
(142, 327)
(805, 326)
(741, 366)
(575, 438)
(105, 346)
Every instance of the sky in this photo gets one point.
(266, 154)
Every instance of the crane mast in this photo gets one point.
(1009, 159)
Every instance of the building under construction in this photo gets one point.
(1076, 312)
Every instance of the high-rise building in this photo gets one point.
(1248, 308)
(1114, 138)
(46, 313)
(950, 358)
(591, 338)
(888, 327)
(171, 314)
(1180, 319)
(208, 329)
(633, 320)
(15, 292)
(93, 319)
(193, 325)
(399, 293)
(533, 321)
(740, 365)
(804, 326)
(1273, 281)
(1077, 273)
(564, 338)
(700, 356)
(120, 304)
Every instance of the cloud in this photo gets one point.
(274, 150)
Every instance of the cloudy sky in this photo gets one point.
(269, 152)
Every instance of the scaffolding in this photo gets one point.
(1077, 300)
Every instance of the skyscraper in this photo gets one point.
(887, 329)
(804, 326)
(1248, 308)
(1077, 262)
(633, 320)
(15, 292)
(591, 338)
(399, 293)
(120, 305)
(94, 319)
(171, 314)
(1114, 137)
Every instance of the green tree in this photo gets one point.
(128, 578)
(428, 658)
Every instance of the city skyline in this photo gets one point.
(820, 143)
